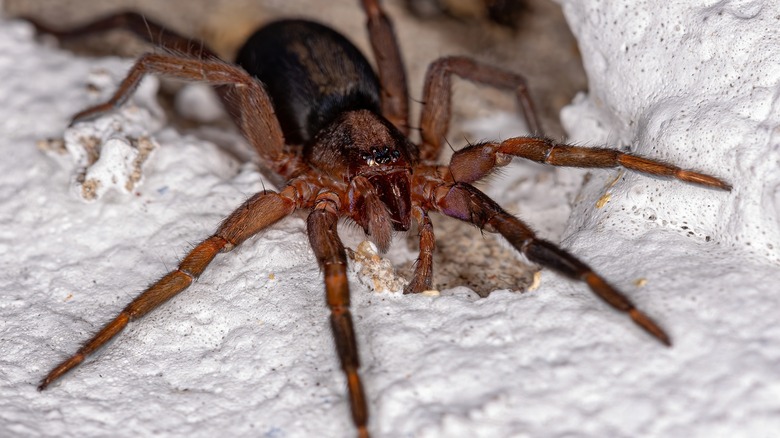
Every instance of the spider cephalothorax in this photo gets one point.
(374, 159)
(337, 133)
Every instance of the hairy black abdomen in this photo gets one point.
(312, 74)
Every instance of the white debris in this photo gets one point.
(375, 271)
(109, 152)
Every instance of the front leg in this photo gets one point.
(464, 202)
(256, 214)
(332, 258)
(477, 161)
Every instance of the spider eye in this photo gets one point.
(368, 158)
(383, 156)
(380, 156)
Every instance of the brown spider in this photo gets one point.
(321, 119)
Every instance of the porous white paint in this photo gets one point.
(109, 152)
(247, 351)
(694, 83)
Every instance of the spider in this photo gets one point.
(337, 133)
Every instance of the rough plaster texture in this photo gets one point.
(247, 350)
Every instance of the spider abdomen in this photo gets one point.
(312, 74)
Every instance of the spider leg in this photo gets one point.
(257, 213)
(395, 94)
(422, 279)
(138, 24)
(254, 116)
(332, 259)
(244, 98)
(464, 202)
(474, 162)
(437, 96)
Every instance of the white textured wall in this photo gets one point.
(695, 83)
(247, 350)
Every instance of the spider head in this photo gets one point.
(362, 143)
(383, 155)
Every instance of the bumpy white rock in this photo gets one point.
(247, 351)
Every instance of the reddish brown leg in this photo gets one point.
(395, 94)
(255, 116)
(136, 23)
(474, 162)
(422, 279)
(332, 259)
(466, 203)
(437, 95)
(257, 213)
(242, 105)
